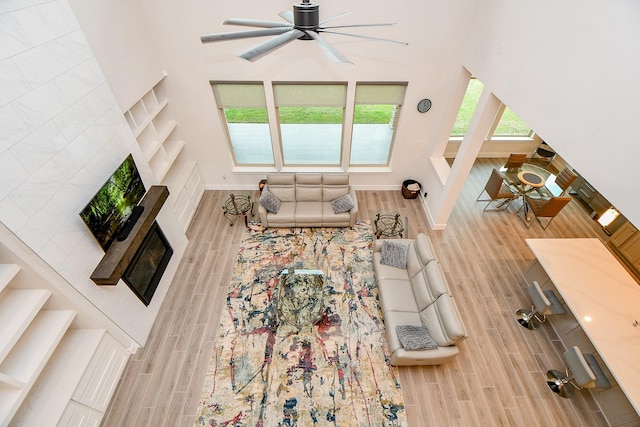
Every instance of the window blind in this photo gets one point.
(239, 95)
(316, 95)
(376, 94)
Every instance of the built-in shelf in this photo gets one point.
(155, 130)
(120, 253)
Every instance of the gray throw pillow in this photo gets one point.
(415, 338)
(342, 204)
(270, 202)
(394, 253)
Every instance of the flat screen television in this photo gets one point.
(114, 203)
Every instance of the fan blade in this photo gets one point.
(334, 17)
(287, 15)
(363, 37)
(328, 48)
(244, 34)
(256, 23)
(260, 50)
(360, 25)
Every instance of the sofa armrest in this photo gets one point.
(262, 213)
(353, 213)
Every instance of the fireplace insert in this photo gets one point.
(148, 264)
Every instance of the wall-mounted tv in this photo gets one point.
(114, 203)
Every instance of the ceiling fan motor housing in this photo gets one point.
(306, 17)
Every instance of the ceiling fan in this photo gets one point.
(303, 24)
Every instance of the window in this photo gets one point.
(468, 106)
(311, 118)
(244, 110)
(506, 124)
(310, 123)
(511, 125)
(375, 115)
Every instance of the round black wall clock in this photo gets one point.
(424, 105)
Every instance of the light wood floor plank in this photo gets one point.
(498, 379)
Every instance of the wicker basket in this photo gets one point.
(408, 194)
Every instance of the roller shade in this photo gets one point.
(236, 95)
(380, 93)
(316, 95)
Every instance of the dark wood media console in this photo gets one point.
(120, 253)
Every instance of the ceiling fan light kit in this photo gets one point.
(303, 23)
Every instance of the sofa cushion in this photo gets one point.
(308, 213)
(386, 271)
(270, 202)
(396, 295)
(309, 187)
(342, 204)
(443, 321)
(309, 179)
(285, 215)
(281, 179)
(394, 253)
(414, 337)
(424, 249)
(421, 291)
(334, 186)
(335, 179)
(414, 264)
(282, 186)
(395, 318)
(330, 219)
(438, 284)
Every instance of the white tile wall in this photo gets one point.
(62, 135)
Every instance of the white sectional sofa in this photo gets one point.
(306, 200)
(418, 295)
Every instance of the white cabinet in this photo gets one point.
(155, 130)
(186, 190)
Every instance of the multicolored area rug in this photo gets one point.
(332, 373)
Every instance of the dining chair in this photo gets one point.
(544, 153)
(515, 161)
(565, 178)
(542, 208)
(497, 190)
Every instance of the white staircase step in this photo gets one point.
(29, 356)
(7, 273)
(51, 393)
(17, 310)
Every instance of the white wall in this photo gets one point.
(62, 136)
(435, 31)
(121, 40)
(570, 70)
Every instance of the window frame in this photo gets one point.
(490, 136)
(215, 87)
(377, 99)
(347, 105)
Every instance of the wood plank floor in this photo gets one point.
(498, 379)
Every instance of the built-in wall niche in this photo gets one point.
(159, 137)
(156, 130)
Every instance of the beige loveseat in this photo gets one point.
(418, 295)
(305, 200)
